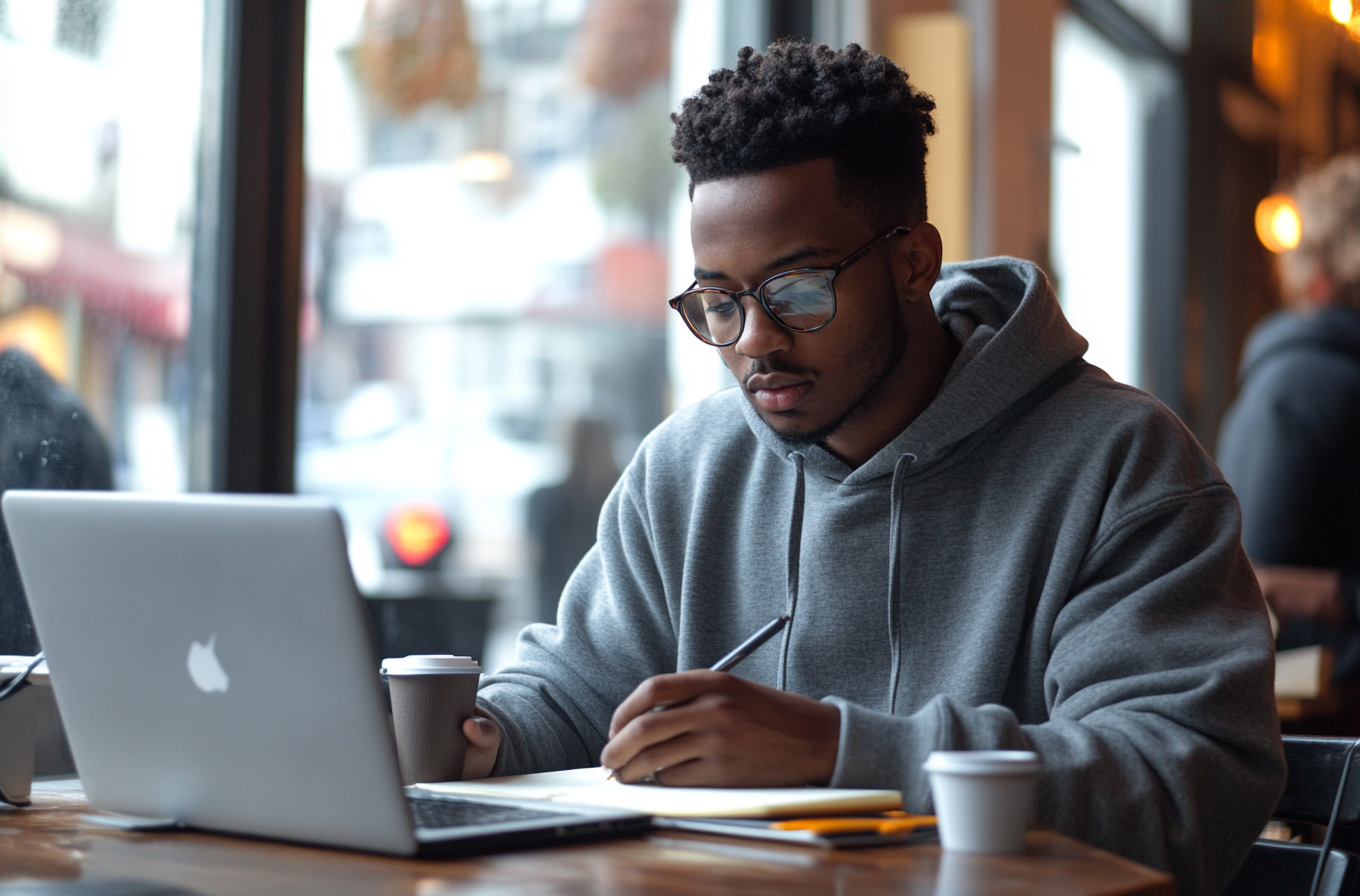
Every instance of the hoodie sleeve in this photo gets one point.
(555, 701)
(1161, 741)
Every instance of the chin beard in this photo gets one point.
(814, 436)
(898, 345)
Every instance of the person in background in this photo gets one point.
(562, 517)
(47, 440)
(1290, 443)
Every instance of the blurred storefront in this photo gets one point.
(98, 142)
(394, 251)
(488, 197)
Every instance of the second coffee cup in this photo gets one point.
(983, 798)
(432, 694)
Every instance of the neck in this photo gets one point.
(900, 397)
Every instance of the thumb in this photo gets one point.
(481, 731)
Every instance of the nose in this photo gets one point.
(761, 336)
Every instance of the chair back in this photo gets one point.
(1273, 868)
(1315, 765)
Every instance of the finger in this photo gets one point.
(671, 755)
(700, 772)
(664, 690)
(644, 698)
(481, 732)
(652, 728)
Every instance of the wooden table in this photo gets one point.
(50, 840)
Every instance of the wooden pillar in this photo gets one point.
(1010, 119)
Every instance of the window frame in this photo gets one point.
(246, 292)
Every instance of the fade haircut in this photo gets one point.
(801, 101)
(1329, 244)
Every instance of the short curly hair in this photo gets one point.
(1329, 211)
(801, 101)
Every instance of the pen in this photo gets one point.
(747, 647)
(741, 651)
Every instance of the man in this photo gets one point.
(1290, 444)
(983, 542)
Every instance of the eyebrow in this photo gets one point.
(782, 263)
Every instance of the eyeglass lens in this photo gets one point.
(800, 301)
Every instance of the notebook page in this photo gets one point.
(590, 786)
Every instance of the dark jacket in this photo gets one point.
(47, 440)
(1290, 448)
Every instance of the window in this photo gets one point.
(99, 141)
(1117, 186)
(485, 335)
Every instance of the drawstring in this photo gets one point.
(894, 572)
(795, 551)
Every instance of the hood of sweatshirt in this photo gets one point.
(1012, 337)
(1333, 329)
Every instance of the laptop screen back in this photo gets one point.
(211, 661)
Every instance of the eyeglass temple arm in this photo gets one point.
(899, 230)
(674, 301)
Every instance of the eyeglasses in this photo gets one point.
(801, 300)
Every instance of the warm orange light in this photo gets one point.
(1278, 225)
(39, 330)
(1341, 11)
(1265, 51)
(29, 240)
(417, 532)
(484, 167)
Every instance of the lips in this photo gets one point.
(776, 392)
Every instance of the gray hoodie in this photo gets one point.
(1044, 559)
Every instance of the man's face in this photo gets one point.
(826, 385)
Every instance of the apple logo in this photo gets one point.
(204, 668)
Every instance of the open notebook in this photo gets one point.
(592, 787)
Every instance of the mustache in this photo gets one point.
(765, 365)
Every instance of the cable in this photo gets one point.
(17, 682)
(1331, 822)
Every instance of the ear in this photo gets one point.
(916, 259)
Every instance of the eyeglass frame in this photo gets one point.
(758, 292)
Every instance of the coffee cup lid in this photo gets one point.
(11, 666)
(983, 762)
(428, 664)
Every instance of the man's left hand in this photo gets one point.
(1302, 592)
(717, 730)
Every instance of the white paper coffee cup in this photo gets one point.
(983, 798)
(18, 728)
(432, 694)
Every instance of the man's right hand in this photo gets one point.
(484, 741)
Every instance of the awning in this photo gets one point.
(55, 260)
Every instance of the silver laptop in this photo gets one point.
(289, 738)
